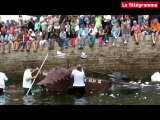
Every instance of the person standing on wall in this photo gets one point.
(3, 78)
(78, 88)
(27, 79)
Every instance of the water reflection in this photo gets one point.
(2, 99)
(28, 100)
(80, 101)
(147, 96)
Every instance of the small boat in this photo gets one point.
(58, 80)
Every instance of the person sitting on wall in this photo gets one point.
(82, 36)
(125, 33)
(155, 27)
(137, 32)
(92, 35)
(3, 78)
(78, 88)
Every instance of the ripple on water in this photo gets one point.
(147, 96)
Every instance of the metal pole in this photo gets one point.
(37, 73)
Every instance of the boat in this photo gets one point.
(58, 80)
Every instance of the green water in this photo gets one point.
(146, 96)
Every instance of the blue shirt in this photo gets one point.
(80, 32)
(8, 37)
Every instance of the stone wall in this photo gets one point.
(134, 60)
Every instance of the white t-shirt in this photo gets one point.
(94, 31)
(79, 77)
(76, 28)
(107, 18)
(3, 78)
(27, 83)
(145, 17)
(41, 19)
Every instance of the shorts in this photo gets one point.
(42, 42)
(26, 90)
(77, 91)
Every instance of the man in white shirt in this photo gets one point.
(78, 88)
(92, 35)
(27, 79)
(3, 79)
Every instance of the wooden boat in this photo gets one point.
(91, 85)
(58, 80)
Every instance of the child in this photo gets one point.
(73, 38)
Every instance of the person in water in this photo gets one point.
(27, 79)
(78, 88)
(3, 79)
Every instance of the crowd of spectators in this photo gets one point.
(66, 30)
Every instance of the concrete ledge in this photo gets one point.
(130, 59)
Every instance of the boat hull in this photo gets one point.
(91, 85)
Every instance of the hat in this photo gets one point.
(81, 16)
(134, 21)
(30, 30)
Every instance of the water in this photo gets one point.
(146, 96)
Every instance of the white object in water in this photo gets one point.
(112, 95)
(134, 83)
(125, 85)
(131, 82)
(147, 83)
(155, 77)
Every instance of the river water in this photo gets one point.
(145, 96)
